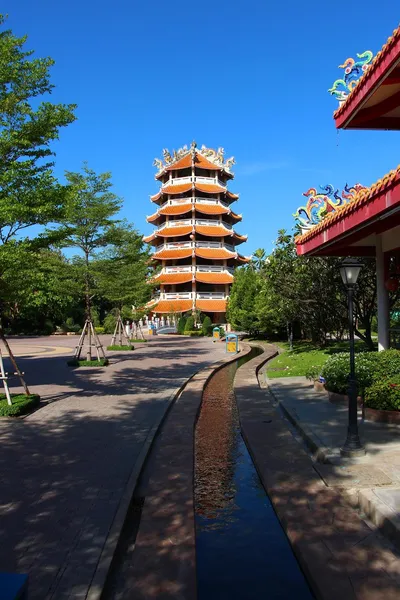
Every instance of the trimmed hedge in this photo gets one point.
(181, 325)
(206, 326)
(195, 333)
(336, 371)
(189, 326)
(371, 367)
(88, 363)
(133, 340)
(21, 404)
(384, 395)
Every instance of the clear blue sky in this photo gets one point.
(251, 76)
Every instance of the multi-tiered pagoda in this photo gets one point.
(195, 242)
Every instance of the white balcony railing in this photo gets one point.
(194, 222)
(196, 200)
(192, 296)
(194, 179)
(186, 245)
(197, 269)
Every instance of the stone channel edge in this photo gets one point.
(99, 578)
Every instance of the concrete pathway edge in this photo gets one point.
(99, 579)
(387, 520)
(95, 589)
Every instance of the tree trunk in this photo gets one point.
(289, 330)
(88, 307)
(13, 362)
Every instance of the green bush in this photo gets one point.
(195, 333)
(103, 362)
(99, 330)
(109, 323)
(221, 332)
(336, 371)
(189, 326)
(384, 395)
(207, 326)
(21, 404)
(70, 325)
(181, 325)
(387, 365)
(120, 347)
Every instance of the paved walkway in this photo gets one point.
(373, 480)
(342, 556)
(63, 469)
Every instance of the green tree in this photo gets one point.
(29, 193)
(88, 225)
(189, 325)
(241, 313)
(122, 269)
(258, 259)
(206, 326)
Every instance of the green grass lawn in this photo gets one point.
(305, 356)
(21, 404)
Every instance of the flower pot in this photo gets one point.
(382, 416)
(319, 386)
(336, 398)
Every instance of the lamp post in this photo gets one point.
(349, 270)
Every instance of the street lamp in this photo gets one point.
(349, 270)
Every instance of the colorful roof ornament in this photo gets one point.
(214, 158)
(321, 204)
(353, 70)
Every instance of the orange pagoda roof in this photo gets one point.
(211, 305)
(214, 277)
(200, 161)
(207, 188)
(206, 209)
(174, 231)
(172, 278)
(172, 253)
(171, 306)
(213, 230)
(214, 253)
(211, 209)
(178, 209)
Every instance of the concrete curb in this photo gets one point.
(380, 514)
(95, 589)
(99, 579)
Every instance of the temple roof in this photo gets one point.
(361, 200)
(171, 306)
(203, 158)
(206, 230)
(211, 305)
(172, 278)
(381, 80)
(205, 209)
(224, 277)
(172, 253)
(201, 187)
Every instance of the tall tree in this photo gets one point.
(258, 259)
(89, 225)
(29, 193)
(241, 312)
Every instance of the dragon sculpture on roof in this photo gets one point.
(320, 204)
(353, 70)
(214, 156)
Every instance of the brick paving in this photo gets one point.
(63, 469)
(342, 556)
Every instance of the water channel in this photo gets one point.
(242, 550)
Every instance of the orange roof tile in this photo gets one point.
(211, 305)
(232, 195)
(244, 259)
(211, 209)
(203, 163)
(376, 61)
(149, 238)
(171, 253)
(361, 198)
(210, 188)
(171, 306)
(176, 209)
(155, 197)
(214, 253)
(172, 278)
(236, 216)
(239, 237)
(213, 230)
(176, 189)
(183, 163)
(174, 231)
(152, 217)
(214, 277)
